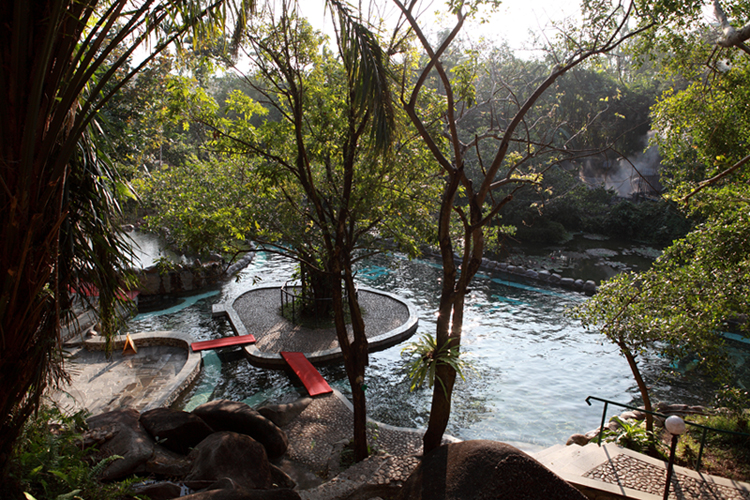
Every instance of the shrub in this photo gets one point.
(50, 462)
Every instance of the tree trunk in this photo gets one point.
(354, 351)
(641, 384)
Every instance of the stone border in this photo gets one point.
(275, 361)
(588, 287)
(181, 381)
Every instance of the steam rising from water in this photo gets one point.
(638, 174)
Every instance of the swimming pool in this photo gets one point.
(532, 366)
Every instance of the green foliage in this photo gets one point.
(631, 434)
(49, 461)
(426, 357)
(724, 454)
(737, 402)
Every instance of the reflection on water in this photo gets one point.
(532, 367)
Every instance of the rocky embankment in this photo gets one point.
(635, 417)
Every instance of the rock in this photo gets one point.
(578, 439)
(589, 287)
(502, 266)
(166, 463)
(544, 275)
(129, 440)
(567, 282)
(578, 284)
(178, 431)
(484, 469)
(163, 490)
(228, 485)
(511, 269)
(243, 494)
(283, 414)
(531, 274)
(281, 479)
(631, 415)
(555, 278)
(612, 425)
(224, 415)
(233, 455)
(638, 415)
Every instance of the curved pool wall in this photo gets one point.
(532, 367)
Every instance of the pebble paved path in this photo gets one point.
(319, 433)
(643, 476)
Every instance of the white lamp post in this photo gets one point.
(676, 427)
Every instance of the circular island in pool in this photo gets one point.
(388, 318)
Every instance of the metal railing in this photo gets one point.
(693, 424)
(298, 302)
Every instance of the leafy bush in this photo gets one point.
(542, 231)
(427, 356)
(631, 435)
(49, 462)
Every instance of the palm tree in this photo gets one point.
(60, 62)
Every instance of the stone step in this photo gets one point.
(541, 455)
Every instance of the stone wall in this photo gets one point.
(184, 279)
(180, 279)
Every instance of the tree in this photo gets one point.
(479, 179)
(698, 287)
(322, 185)
(58, 67)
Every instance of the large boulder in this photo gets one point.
(478, 470)
(167, 463)
(163, 490)
(283, 414)
(178, 431)
(243, 494)
(231, 455)
(225, 415)
(129, 440)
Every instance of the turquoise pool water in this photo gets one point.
(532, 366)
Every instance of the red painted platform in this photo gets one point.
(310, 377)
(222, 342)
(90, 290)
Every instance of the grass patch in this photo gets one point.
(724, 455)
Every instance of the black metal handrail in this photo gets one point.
(705, 428)
(288, 296)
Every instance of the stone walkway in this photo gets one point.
(611, 471)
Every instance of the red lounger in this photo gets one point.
(222, 342)
(310, 377)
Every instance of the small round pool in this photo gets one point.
(532, 367)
